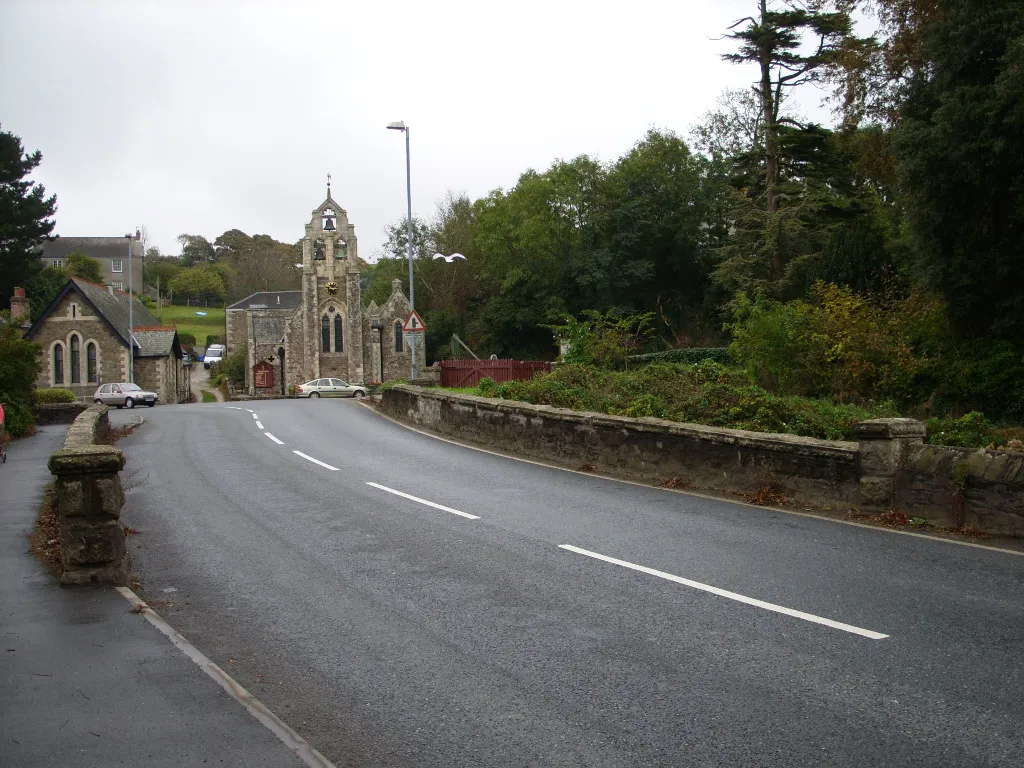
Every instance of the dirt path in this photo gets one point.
(201, 383)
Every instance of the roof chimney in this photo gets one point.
(19, 305)
(110, 289)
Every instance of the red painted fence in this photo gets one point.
(467, 373)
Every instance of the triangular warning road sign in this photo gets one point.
(415, 323)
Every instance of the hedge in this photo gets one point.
(55, 395)
(689, 355)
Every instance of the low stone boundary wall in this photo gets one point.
(89, 501)
(888, 467)
(58, 413)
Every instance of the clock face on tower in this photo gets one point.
(332, 288)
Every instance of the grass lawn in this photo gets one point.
(208, 397)
(187, 321)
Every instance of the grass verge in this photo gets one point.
(186, 320)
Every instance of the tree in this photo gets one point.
(85, 267)
(960, 154)
(200, 282)
(257, 263)
(25, 215)
(196, 249)
(43, 288)
(159, 270)
(20, 364)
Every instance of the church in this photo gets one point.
(323, 330)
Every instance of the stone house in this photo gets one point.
(323, 330)
(84, 338)
(110, 252)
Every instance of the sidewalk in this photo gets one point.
(83, 681)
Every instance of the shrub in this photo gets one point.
(487, 386)
(685, 355)
(186, 339)
(213, 339)
(972, 430)
(20, 365)
(233, 366)
(55, 395)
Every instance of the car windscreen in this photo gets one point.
(131, 388)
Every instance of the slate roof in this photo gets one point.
(155, 342)
(270, 300)
(95, 247)
(151, 338)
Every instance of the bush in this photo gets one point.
(972, 430)
(20, 365)
(685, 355)
(233, 366)
(186, 339)
(213, 339)
(55, 395)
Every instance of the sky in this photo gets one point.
(191, 116)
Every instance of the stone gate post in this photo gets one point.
(884, 446)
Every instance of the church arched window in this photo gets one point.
(325, 333)
(90, 362)
(339, 337)
(76, 368)
(398, 337)
(58, 363)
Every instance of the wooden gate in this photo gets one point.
(467, 373)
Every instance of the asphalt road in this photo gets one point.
(391, 632)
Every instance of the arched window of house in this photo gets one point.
(339, 337)
(58, 363)
(90, 362)
(398, 337)
(325, 333)
(76, 354)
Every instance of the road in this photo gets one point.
(473, 621)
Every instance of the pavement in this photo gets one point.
(401, 600)
(84, 681)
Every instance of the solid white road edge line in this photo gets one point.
(730, 595)
(315, 461)
(273, 438)
(234, 408)
(424, 501)
(258, 424)
(302, 748)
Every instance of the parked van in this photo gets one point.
(214, 354)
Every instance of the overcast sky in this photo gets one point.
(198, 117)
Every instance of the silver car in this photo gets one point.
(124, 394)
(330, 388)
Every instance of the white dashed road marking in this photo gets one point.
(730, 595)
(258, 424)
(424, 501)
(315, 461)
(273, 438)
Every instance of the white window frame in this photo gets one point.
(57, 262)
(118, 286)
(117, 265)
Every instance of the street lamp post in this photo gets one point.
(401, 126)
(131, 324)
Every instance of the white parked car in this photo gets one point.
(330, 388)
(124, 395)
(214, 354)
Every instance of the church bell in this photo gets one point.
(319, 253)
(329, 224)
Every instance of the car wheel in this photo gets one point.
(359, 394)
(98, 401)
(129, 403)
(314, 394)
(150, 404)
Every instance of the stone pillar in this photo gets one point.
(89, 499)
(884, 446)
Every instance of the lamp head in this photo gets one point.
(399, 126)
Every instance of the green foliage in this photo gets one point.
(25, 215)
(186, 339)
(204, 281)
(55, 395)
(43, 288)
(148, 303)
(213, 339)
(960, 152)
(233, 366)
(208, 397)
(971, 430)
(84, 266)
(704, 393)
(20, 364)
(603, 339)
(685, 355)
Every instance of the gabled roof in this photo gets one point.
(112, 307)
(270, 300)
(95, 247)
(157, 342)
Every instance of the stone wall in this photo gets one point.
(89, 500)
(58, 413)
(642, 449)
(889, 467)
